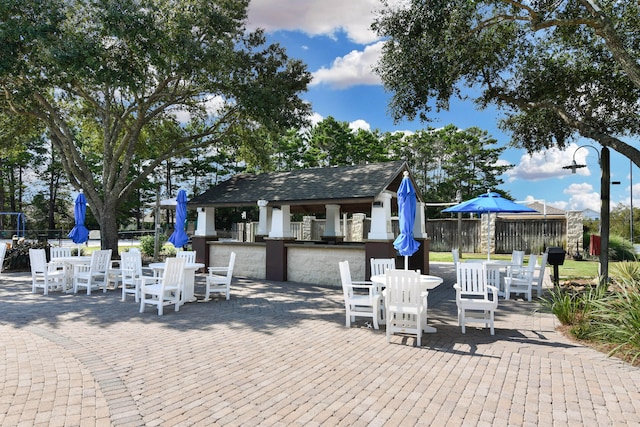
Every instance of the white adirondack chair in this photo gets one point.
(476, 300)
(360, 297)
(219, 279)
(44, 275)
(165, 290)
(405, 304)
(94, 275)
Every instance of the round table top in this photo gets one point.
(187, 266)
(430, 281)
(73, 259)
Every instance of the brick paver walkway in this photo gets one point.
(279, 354)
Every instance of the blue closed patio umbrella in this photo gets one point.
(79, 233)
(179, 236)
(488, 203)
(405, 244)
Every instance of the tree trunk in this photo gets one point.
(109, 229)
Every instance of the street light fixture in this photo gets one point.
(603, 161)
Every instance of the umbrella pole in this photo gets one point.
(488, 236)
(406, 262)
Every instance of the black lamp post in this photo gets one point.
(603, 160)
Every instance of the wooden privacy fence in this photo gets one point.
(530, 235)
(444, 235)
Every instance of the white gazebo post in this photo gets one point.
(280, 222)
(264, 220)
(332, 224)
(206, 222)
(419, 226)
(381, 218)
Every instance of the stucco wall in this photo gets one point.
(318, 264)
(250, 258)
(313, 264)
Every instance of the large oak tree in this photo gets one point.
(557, 69)
(111, 78)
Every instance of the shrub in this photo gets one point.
(616, 320)
(147, 243)
(621, 249)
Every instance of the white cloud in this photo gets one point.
(316, 17)
(359, 124)
(355, 68)
(549, 164)
(582, 196)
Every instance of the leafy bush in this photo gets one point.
(147, 243)
(616, 320)
(627, 274)
(620, 249)
(17, 257)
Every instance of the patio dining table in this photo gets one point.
(428, 282)
(70, 263)
(187, 294)
(496, 270)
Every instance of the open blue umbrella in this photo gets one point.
(405, 244)
(488, 203)
(179, 236)
(79, 233)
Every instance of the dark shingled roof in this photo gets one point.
(308, 190)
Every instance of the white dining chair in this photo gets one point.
(522, 282)
(476, 300)
(166, 290)
(44, 275)
(360, 297)
(189, 256)
(94, 275)
(132, 274)
(379, 266)
(59, 252)
(541, 272)
(219, 279)
(3, 253)
(405, 304)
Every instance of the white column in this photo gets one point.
(332, 227)
(264, 221)
(281, 222)
(381, 218)
(419, 226)
(206, 222)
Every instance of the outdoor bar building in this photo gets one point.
(335, 192)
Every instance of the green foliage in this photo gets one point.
(563, 304)
(147, 243)
(620, 249)
(17, 257)
(605, 314)
(626, 273)
(125, 86)
(450, 160)
(558, 70)
(616, 320)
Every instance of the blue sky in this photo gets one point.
(333, 38)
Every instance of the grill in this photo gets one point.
(555, 257)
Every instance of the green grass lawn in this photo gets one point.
(569, 270)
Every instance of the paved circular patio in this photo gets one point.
(279, 354)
